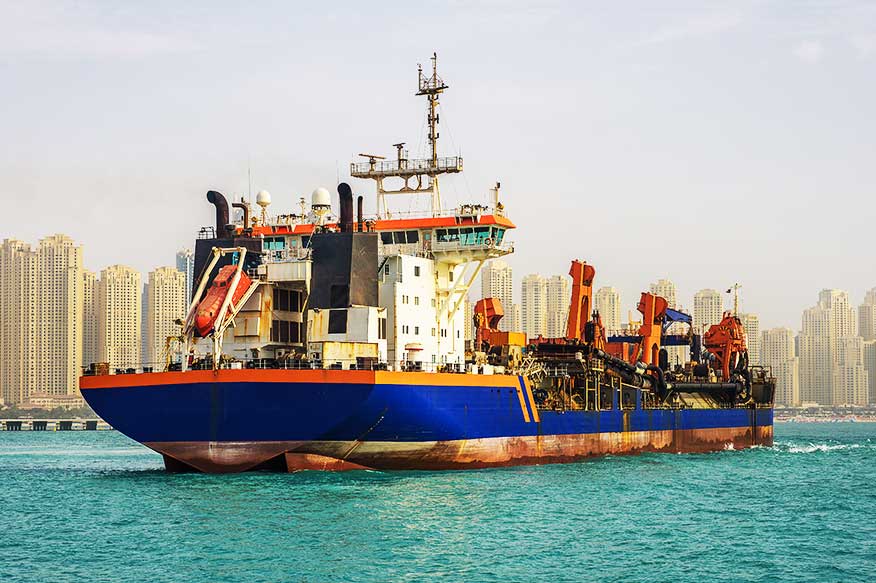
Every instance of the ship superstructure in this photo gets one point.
(427, 265)
(323, 340)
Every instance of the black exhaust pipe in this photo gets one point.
(346, 197)
(359, 214)
(218, 200)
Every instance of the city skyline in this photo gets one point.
(674, 117)
(831, 359)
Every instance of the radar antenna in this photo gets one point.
(423, 172)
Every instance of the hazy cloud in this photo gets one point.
(60, 31)
(702, 25)
(809, 51)
(865, 44)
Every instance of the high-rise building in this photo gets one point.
(558, 298)
(41, 303)
(165, 304)
(119, 317)
(870, 366)
(708, 310)
(516, 324)
(185, 262)
(533, 305)
(666, 290)
(867, 316)
(18, 321)
(778, 352)
(497, 282)
(60, 303)
(608, 303)
(89, 318)
(751, 324)
(850, 383)
(824, 351)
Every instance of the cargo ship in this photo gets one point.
(316, 341)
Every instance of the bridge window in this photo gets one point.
(274, 244)
(498, 234)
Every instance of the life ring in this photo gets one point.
(488, 242)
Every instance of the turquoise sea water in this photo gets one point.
(94, 506)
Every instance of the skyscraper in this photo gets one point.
(89, 318)
(516, 324)
(533, 305)
(59, 353)
(708, 310)
(870, 366)
(18, 321)
(666, 290)
(41, 303)
(851, 382)
(829, 372)
(119, 317)
(497, 282)
(558, 298)
(867, 316)
(778, 353)
(751, 324)
(165, 304)
(185, 262)
(608, 304)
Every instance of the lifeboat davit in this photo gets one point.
(208, 309)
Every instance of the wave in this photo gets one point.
(820, 447)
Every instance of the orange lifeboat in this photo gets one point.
(208, 309)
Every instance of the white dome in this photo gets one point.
(321, 197)
(263, 198)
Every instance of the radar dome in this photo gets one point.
(321, 198)
(263, 198)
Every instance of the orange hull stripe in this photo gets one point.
(522, 404)
(531, 399)
(296, 376)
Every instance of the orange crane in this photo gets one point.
(653, 309)
(488, 313)
(579, 325)
(726, 340)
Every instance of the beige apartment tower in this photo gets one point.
(165, 304)
(41, 302)
(779, 354)
(18, 321)
(60, 304)
(608, 304)
(708, 310)
(558, 292)
(497, 282)
(89, 318)
(533, 305)
(119, 310)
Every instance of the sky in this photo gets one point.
(707, 142)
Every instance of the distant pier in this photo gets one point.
(53, 425)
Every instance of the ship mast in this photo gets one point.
(419, 176)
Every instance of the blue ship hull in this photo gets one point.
(236, 420)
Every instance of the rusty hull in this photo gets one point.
(228, 457)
